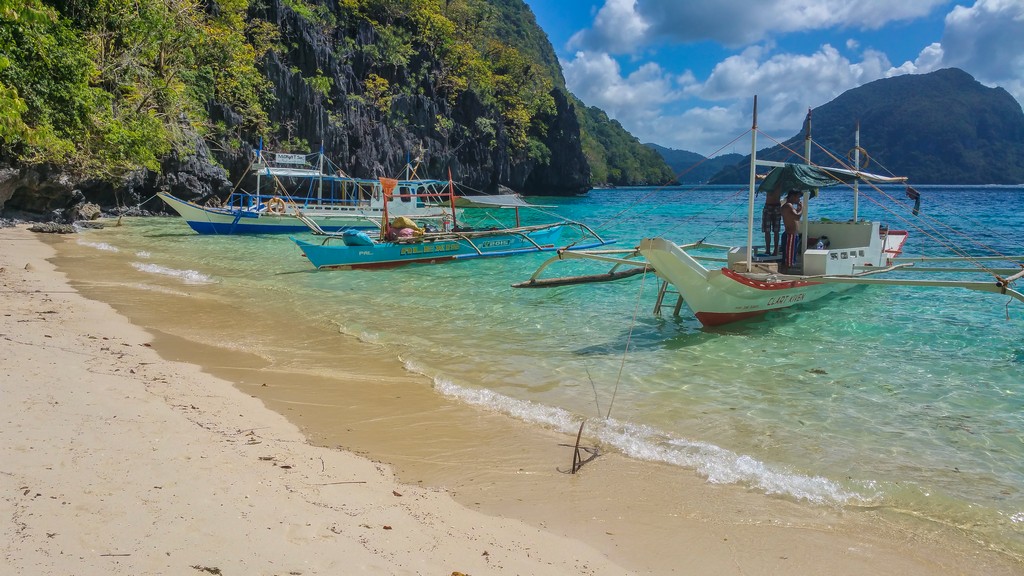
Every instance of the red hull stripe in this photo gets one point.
(386, 265)
(710, 319)
(732, 275)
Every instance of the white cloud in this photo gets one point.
(710, 130)
(987, 40)
(683, 111)
(597, 79)
(788, 84)
(625, 26)
(617, 28)
(928, 60)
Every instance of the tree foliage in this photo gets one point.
(100, 88)
(455, 46)
(104, 87)
(617, 157)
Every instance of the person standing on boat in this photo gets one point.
(771, 219)
(791, 212)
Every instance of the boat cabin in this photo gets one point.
(827, 247)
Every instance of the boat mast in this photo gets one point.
(807, 137)
(320, 178)
(259, 170)
(451, 198)
(387, 186)
(750, 195)
(856, 166)
(807, 194)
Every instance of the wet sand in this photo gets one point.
(617, 515)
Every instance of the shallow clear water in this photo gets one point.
(897, 397)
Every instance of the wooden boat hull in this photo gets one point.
(723, 296)
(326, 256)
(213, 220)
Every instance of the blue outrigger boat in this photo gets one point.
(293, 188)
(403, 241)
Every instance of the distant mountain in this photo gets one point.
(939, 128)
(692, 168)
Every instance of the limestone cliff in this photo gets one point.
(470, 86)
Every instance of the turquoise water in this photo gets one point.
(909, 399)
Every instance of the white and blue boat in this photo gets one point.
(403, 241)
(291, 188)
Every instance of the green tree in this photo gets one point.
(103, 87)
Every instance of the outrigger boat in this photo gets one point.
(834, 255)
(309, 185)
(405, 241)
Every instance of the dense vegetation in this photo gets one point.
(100, 89)
(616, 156)
(103, 87)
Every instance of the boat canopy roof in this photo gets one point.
(807, 178)
(314, 174)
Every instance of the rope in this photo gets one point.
(658, 189)
(629, 339)
(139, 205)
(593, 386)
(934, 233)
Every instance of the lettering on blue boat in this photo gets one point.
(429, 248)
(496, 243)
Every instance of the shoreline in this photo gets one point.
(617, 512)
(116, 461)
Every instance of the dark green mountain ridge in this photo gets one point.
(938, 128)
(693, 168)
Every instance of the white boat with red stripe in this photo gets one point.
(742, 282)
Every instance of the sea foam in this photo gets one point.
(187, 276)
(98, 245)
(716, 464)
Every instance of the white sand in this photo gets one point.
(114, 461)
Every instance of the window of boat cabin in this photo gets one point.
(405, 193)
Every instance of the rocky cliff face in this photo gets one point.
(362, 137)
(369, 142)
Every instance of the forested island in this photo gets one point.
(119, 100)
(944, 127)
(112, 101)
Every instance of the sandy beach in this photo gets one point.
(118, 459)
(118, 462)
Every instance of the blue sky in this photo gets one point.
(683, 73)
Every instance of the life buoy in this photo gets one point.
(276, 206)
(865, 160)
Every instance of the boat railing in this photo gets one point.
(247, 200)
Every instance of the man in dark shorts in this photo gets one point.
(771, 219)
(791, 212)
